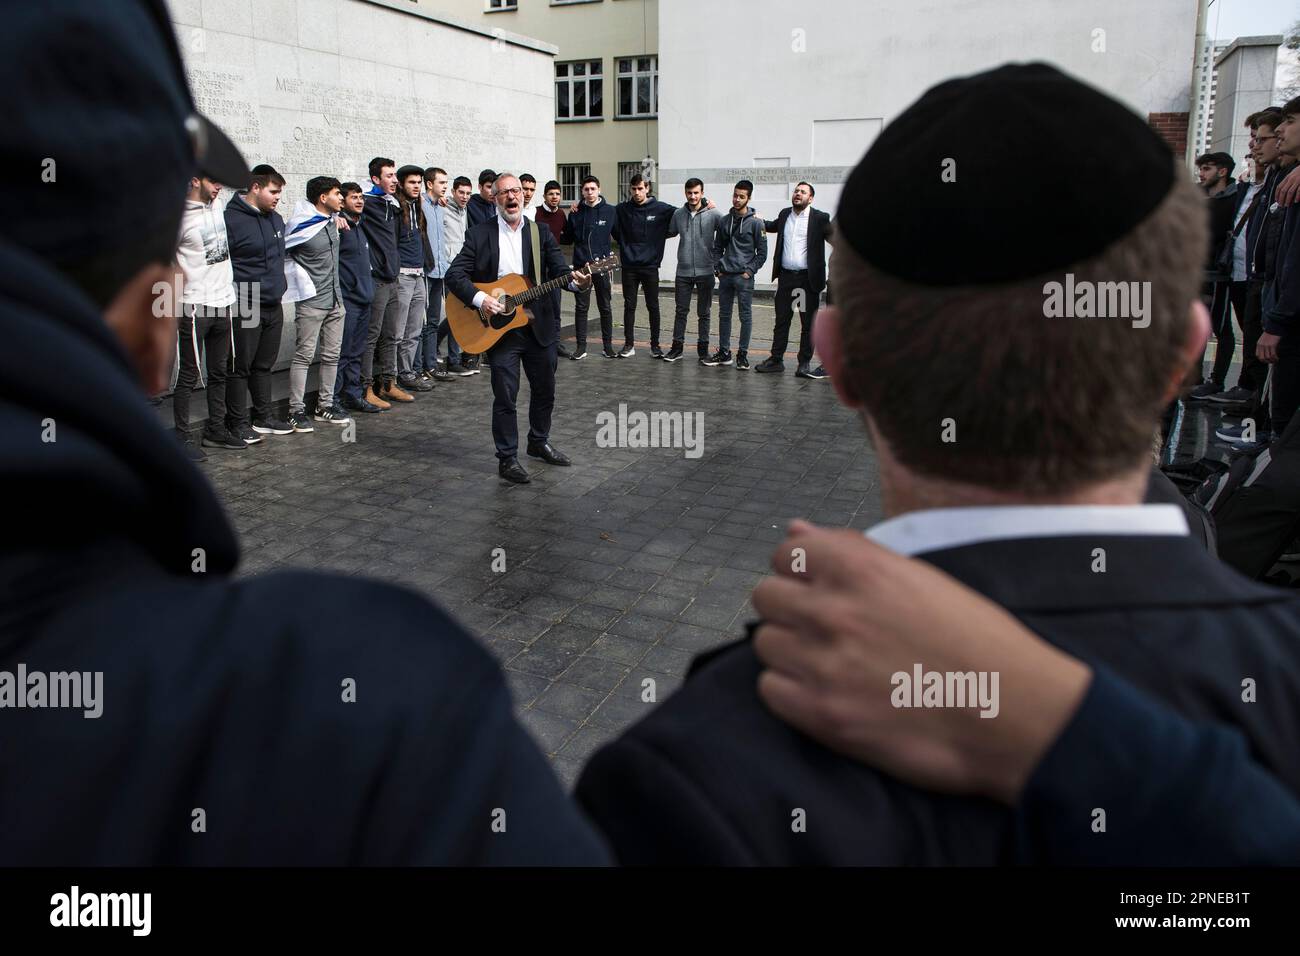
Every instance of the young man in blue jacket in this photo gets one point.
(641, 229)
(588, 229)
(739, 250)
(256, 235)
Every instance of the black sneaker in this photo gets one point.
(1203, 391)
(804, 372)
(249, 436)
(359, 405)
(673, 354)
(455, 368)
(1236, 435)
(272, 426)
(742, 361)
(720, 357)
(770, 364)
(223, 439)
(413, 383)
(301, 423)
(333, 414)
(439, 374)
(578, 355)
(628, 351)
(609, 352)
(656, 352)
(192, 451)
(1237, 395)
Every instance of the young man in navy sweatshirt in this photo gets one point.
(588, 228)
(641, 229)
(358, 290)
(256, 235)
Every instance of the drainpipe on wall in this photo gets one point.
(1196, 116)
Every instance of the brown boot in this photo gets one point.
(374, 399)
(394, 392)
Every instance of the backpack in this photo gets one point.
(1255, 504)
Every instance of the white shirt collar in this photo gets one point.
(937, 529)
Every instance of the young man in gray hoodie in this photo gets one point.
(696, 223)
(313, 273)
(739, 251)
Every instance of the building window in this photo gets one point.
(638, 86)
(571, 177)
(495, 5)
(579, 90)
(625, 173)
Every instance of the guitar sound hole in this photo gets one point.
(501, 320)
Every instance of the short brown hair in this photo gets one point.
(1039, 405)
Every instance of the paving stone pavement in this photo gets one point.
(618, 569)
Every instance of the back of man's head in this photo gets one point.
(961, 316)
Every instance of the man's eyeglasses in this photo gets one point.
(517, 191)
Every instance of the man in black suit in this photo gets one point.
(1007, 461)
(799, 269)
(500, 246)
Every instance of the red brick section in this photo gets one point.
(1172, 128)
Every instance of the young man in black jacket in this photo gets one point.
(382, 224)
(739, 251)
(358, 290)
(641, 229)
(224, 706)
(256, 235)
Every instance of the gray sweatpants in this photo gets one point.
(383, 332)
(411, 308)
(310, 325)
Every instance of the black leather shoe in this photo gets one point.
(358, 405)
(549, 454)
(512, 471)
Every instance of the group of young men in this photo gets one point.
(365, 268)
(1254, 272)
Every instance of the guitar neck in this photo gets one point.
(537, 291)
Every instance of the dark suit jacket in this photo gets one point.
(480, 257)
(819, 230)
(711, 776)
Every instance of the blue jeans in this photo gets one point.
(731, 287)
(437, 330)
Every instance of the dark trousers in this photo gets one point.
(640, 277)
(702, 286)
(356, 328)
(581, 303)
(426, 351)
(794, 292)
(1224, 299)
(202, 332)
(518, 347)
(1253, 372)
(257, 346)
(1285, 389)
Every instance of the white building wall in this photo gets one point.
(748, 85)
(318, 87)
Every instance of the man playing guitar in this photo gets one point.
(500, 247)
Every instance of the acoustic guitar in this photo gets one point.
(477, 330)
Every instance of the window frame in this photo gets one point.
(633, 76)
(571, 82)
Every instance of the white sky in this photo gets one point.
(1230, 19)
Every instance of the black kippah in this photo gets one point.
(1001, 176)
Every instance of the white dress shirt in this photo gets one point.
(794, 246)
(937, 529)
(511, 257)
